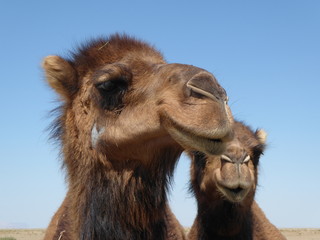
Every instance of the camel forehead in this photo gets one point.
(235, 149)
(103, 51)
(245, 135)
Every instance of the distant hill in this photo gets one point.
(15, 225)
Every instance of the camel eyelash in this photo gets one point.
(112, 85)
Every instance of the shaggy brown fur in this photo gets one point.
(125, 118)
(225, 186)
(58, 228)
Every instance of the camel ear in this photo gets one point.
(61, 76)
(262, 136)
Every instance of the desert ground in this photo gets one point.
(38, 234)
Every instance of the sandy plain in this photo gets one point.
(38, 234)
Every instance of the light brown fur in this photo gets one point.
(125, 118)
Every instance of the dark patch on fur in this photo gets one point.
(200, 161)
(213, 223)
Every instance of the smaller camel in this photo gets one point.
(224, 187)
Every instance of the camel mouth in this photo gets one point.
(235, 190)
(213, 144)
(235, 195)
(196, 142)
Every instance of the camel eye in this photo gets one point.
(112, 92)
(112, 86)
(105, 86)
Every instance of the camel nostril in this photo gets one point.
(204, 84)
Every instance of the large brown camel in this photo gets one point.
(225, 185)
(126, 116)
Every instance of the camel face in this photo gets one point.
(236, 175)
(233, 175)
(120, 95)
(193, 108)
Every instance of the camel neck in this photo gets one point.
(127, 203)
(224, 220)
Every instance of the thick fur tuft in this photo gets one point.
(262, 136)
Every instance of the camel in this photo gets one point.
(125, 118)
(225, 185)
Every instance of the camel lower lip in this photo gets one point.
(192, 141)
(207, 145)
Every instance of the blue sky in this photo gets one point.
(266, 54)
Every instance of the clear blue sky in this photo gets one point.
(266, 54)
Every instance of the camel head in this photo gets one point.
(120, 99)
(232, 176)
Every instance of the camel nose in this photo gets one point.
(206, 85)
